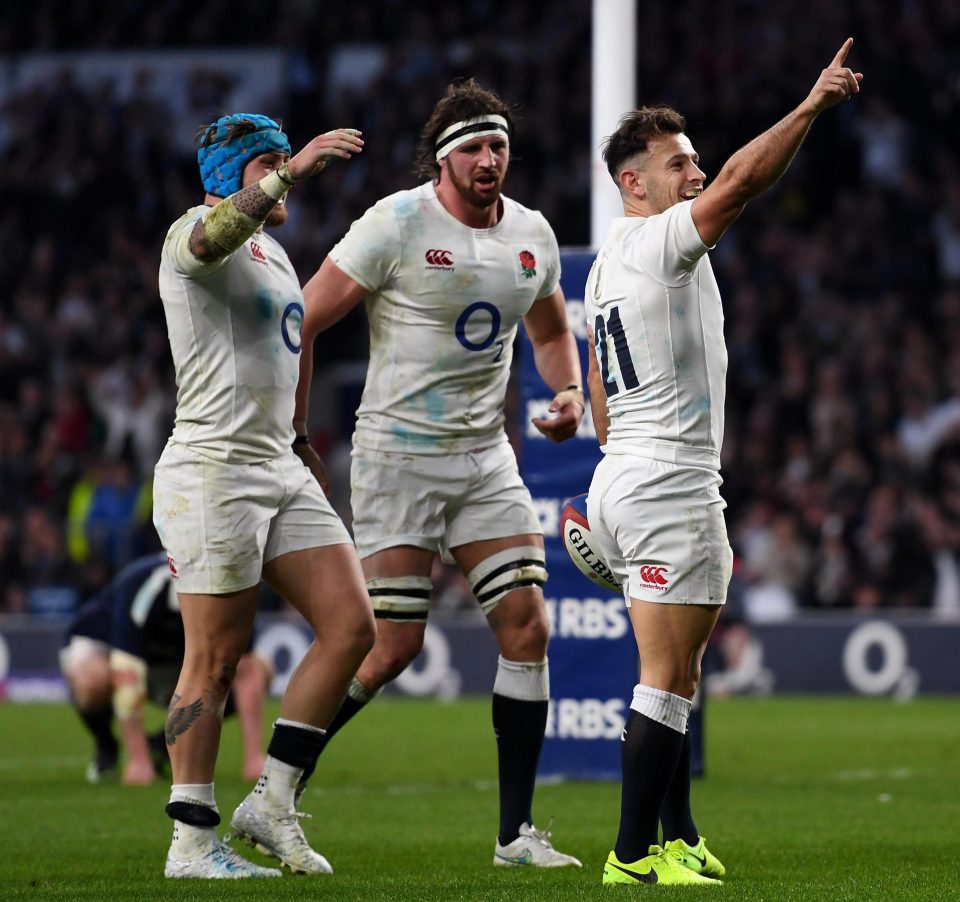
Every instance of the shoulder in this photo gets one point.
(531, 218)
(187, 220)
(388, 212)
(675, 221)
(407, 202)
(521, 222)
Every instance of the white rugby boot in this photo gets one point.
(532, 848)
(278, 833)
(206, 857)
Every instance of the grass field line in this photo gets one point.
(853, 775)
(865, 774)
(50, 762)
(401, 789)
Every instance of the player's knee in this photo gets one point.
(214, 667)
(89, 690)
(361, 636)
(533, 638)
(525, 634)
(394, 651)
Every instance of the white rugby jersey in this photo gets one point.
(654, 307)
(234, 328)
(444, 302)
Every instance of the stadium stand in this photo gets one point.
(843, 290)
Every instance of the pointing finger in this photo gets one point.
(842, 53)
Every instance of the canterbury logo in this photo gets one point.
(439, 258)
(653, 575)
(258, 254)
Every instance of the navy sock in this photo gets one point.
(292, 745)
(100, 723)
(519, 727)
(675, 814)
(648, 755)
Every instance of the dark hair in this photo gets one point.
(463, 100)
(207, 133)
(636, 130)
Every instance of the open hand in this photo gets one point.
(340, 143)
(569, 407)
(314, 464)
(138, 772)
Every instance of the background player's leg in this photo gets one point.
(86, 670)
(249, 691)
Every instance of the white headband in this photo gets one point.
(466, 129)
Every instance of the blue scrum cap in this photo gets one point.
(222, 161)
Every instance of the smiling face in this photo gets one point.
(256, 169)
(665, 174)
(476, 170)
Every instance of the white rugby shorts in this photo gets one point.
(437, 502)
(79, 648)
(220, 523)
(661, 528)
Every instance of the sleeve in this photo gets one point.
(125, 634)
(370, 252)
(669, 246)
(178, 245)
(551, 272)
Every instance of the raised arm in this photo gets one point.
(758, 165)
(558, 363)
(235, 218)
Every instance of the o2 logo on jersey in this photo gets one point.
(290, 324)
(477, 341)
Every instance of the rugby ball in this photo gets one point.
(582, 547)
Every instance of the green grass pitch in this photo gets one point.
(839, 799)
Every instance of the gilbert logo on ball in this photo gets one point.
(582, 546)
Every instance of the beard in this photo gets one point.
(277, 216)
(475, 198)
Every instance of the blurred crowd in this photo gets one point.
(841, 288)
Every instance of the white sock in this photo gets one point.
(189, 841)
(197, 793)
(664, 707)
(276, 786)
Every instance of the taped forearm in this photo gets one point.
(128, 674)
(233, 220)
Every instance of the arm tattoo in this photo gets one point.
(179, 720)
(230, 228)
(253, 202)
